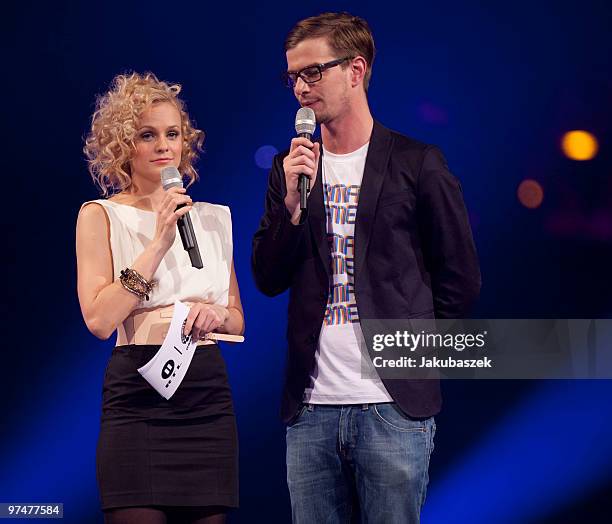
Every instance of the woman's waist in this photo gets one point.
(149, 326)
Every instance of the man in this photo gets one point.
(385, 235)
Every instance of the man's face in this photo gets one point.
(330, 96)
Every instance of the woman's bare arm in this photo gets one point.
(105, 303)
(234, 325)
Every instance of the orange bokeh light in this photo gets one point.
(579, 145)
(530, 194)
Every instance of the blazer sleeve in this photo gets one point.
(276, 242)
(448, 245)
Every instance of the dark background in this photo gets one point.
(495, 87)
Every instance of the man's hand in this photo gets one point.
(303, 159)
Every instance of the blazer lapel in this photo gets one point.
(374, 172)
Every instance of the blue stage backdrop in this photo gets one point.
(495, 86)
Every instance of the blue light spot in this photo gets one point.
(264, 156)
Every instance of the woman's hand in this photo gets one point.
(205, 318)
(168, 215)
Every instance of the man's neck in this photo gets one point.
(348, 132)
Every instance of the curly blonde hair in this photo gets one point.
(110, 143)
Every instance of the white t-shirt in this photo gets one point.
(343, 373)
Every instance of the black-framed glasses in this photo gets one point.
(312, 73)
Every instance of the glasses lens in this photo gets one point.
(289, 79)
(310, 74)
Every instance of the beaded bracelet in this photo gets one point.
(135, 283)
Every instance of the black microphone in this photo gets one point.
(170, 177)
(305, 125)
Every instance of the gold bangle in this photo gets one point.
(135, 283)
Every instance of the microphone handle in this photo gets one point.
(304, 183)
(189, 240)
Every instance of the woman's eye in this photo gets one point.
(146, 136)
(173, 134)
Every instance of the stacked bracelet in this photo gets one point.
(135, 283)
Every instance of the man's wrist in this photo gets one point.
(294, 212)
(295, 218)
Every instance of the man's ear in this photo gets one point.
(358, 66)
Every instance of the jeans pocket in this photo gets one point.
(390, 415)
(298, 415)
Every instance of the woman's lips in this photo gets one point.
(162, 160)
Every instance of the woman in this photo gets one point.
(158, 460)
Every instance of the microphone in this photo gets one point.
(170, 177)
(305, 124)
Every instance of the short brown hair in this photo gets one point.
(346, 34)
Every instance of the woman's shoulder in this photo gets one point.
(92, 216)
(206, 208)
(92, 209)
(101, 204)
(214, 216)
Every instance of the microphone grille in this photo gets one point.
(170, 177)
(305, 121)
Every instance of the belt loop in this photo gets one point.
(365, 407)
(310, 407)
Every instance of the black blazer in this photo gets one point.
(414, 257)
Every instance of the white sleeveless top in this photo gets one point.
(132, 229)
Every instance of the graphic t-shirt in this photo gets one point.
(343, 373)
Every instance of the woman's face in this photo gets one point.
(158, 141)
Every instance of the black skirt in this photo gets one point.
(158, 452)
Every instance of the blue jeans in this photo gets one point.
(357, 463)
